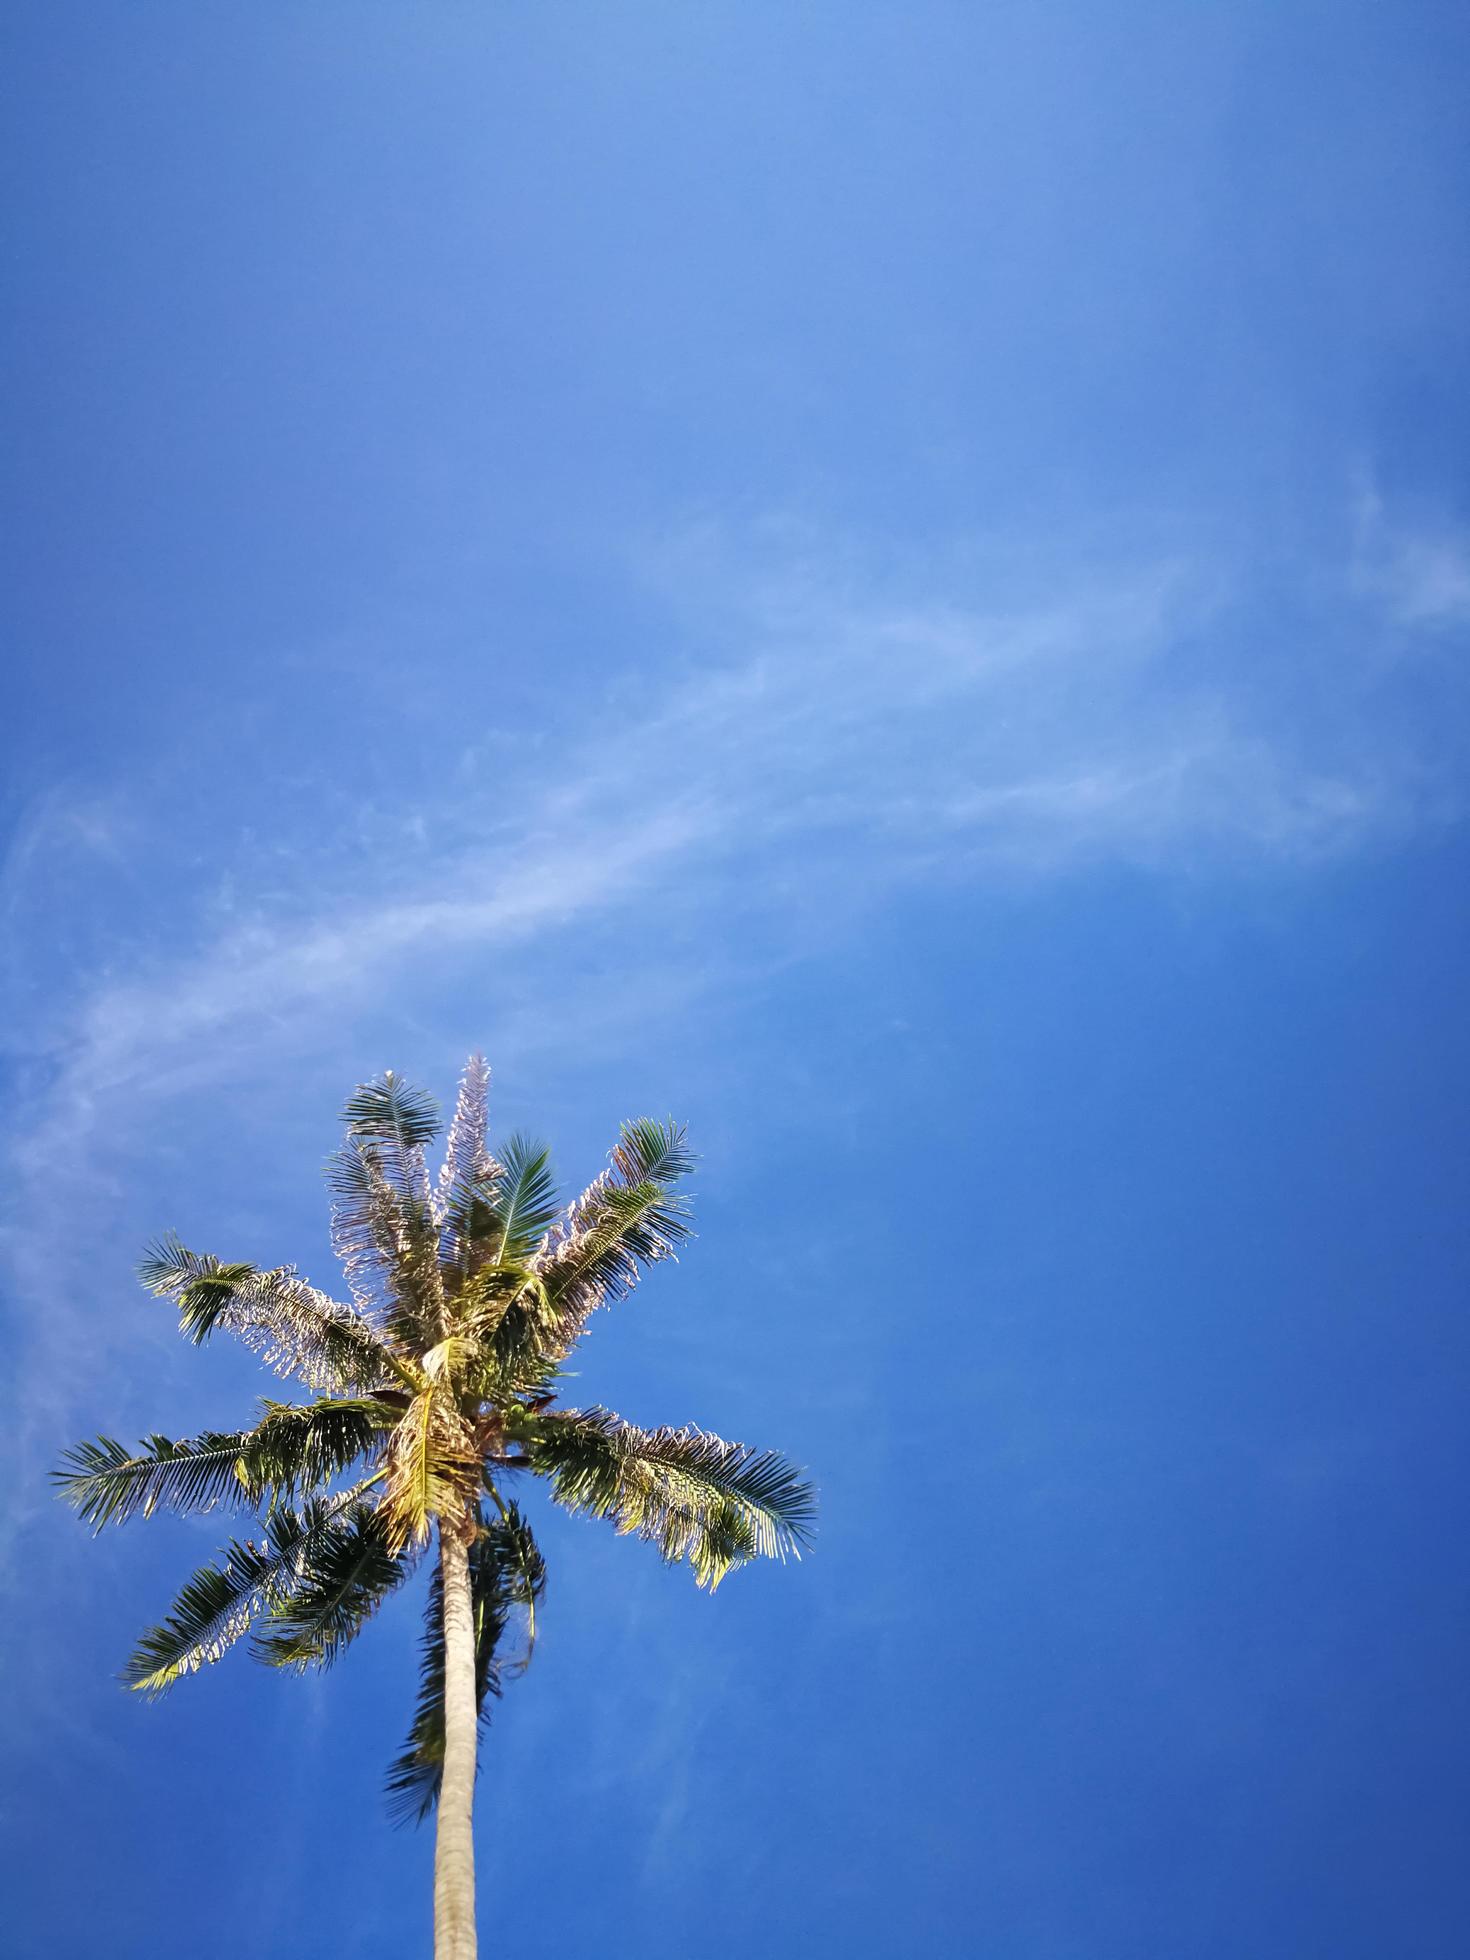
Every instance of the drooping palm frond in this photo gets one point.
(431, 1464)
(294, 1447)
(520, 1569)
(693, 1495)
(513, 1571)
(412, 1783)
(507, 1573)
(627, 1219)
(299, 1447)
(218, 1605)
(514, 1326)
(340, 1581)
(298, 1331)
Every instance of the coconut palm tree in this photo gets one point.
(431, 1391)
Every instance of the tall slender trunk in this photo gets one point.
(454, 1847)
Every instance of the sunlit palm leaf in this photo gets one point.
(218, 1604)
(294, 1447)
(652, 1152)
(465, 1150)
(468, 1166)
(299, 1332)
(431, 1465)
(397, 1121)
(383, 1224)
(693, 1495)
(388, 1243)
(627, 1219)
(496, 1219)
(108, 1483)
(525, 1199)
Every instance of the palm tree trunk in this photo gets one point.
(454, 1847)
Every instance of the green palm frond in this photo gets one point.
(627, 1219)
(388, 1243)
(521, 1569)
(384, 1227)
(297, 1447)
(299, 1332)
(293, 1447)
(525, 1200)
(342, 1578)
(398, 1120)
(472, 1228)
(496, 1219)
(108, 1483)
(649, 1152)
(218, 1605)
(507, 1573)
(512, 1570)
(517, 1336)
(693, 1495)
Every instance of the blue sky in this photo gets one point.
(894, 581)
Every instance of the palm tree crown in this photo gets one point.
(430, 1392)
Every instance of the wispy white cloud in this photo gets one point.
(838, 724)
(876, 727)
(838, 732)
(1429, 580)
(1416, 567)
